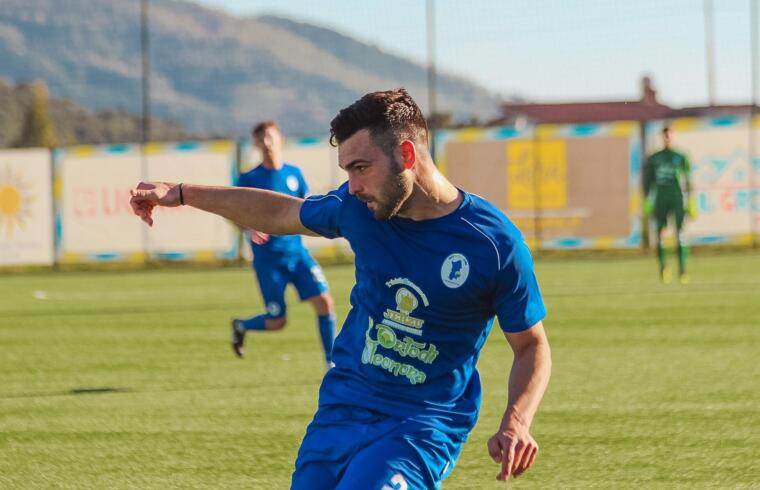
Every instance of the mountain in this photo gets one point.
(75, 124)
(212, 72)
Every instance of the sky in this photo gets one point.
(550, 50)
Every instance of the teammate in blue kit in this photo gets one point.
(279, 260)
(434, 266)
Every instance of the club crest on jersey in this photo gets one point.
(292, 183)
(455, 270)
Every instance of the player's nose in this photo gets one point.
(353, 185)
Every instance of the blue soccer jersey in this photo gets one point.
(287, 180)
(425, 298)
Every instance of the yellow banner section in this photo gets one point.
(523, 169)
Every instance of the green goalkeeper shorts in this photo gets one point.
(667, 204)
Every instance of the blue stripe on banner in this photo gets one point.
(171, 255)
(584, 129)
(117, 149)
(724, 121)
(235, 169)
(441, 137)
(505, 133)
(707, 240)
(106, 256)
(635, 162)
(308, 141)
(569, 242)
(634, 239)
(187, 146)
(58, 230)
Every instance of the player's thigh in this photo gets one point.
(679, 213)
(315, 475)
(273, 279)
(331, 439)
(308, 278)
(398, 462)
(661, 211)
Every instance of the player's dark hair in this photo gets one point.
(259, 129)
(390, 116)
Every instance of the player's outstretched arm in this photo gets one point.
(258, 209)
(513, 446)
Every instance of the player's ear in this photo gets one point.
(408, 154)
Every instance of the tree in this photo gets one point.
(440, 120)
(38, 130)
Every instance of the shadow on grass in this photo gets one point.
(97, 391)
(107, 390)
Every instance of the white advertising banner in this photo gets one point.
(718, 150)
(26, 208)
(184, 232)
(97, 223)
(720, 177)
(95, 219)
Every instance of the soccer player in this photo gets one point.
(434, 266)
(666, 173)
(280, 260)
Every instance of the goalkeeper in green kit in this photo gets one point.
(667, 187)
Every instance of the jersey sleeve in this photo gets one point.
(648, 177)
(517, 299)
(246, 179)
(322, 214)
(240, 181)
(686, 172)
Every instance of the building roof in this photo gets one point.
(643, 109)
(581, 112)
(714, 110)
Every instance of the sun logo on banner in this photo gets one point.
(15, 202)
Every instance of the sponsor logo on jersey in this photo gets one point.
(387, 339)
(408, 297)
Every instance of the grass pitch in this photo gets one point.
(127, 380)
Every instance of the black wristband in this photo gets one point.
(181, 197)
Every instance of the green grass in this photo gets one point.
(126, 380)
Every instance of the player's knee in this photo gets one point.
(276, 323)
(323, 304)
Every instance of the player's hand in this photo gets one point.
(648, 206)
(691, 207)
(514, 448)
(148, 195)
(258, 237)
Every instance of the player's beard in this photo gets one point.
(394, 193)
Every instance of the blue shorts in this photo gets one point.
(351, 448)
(274, 275)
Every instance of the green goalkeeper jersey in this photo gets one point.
(665, 172)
